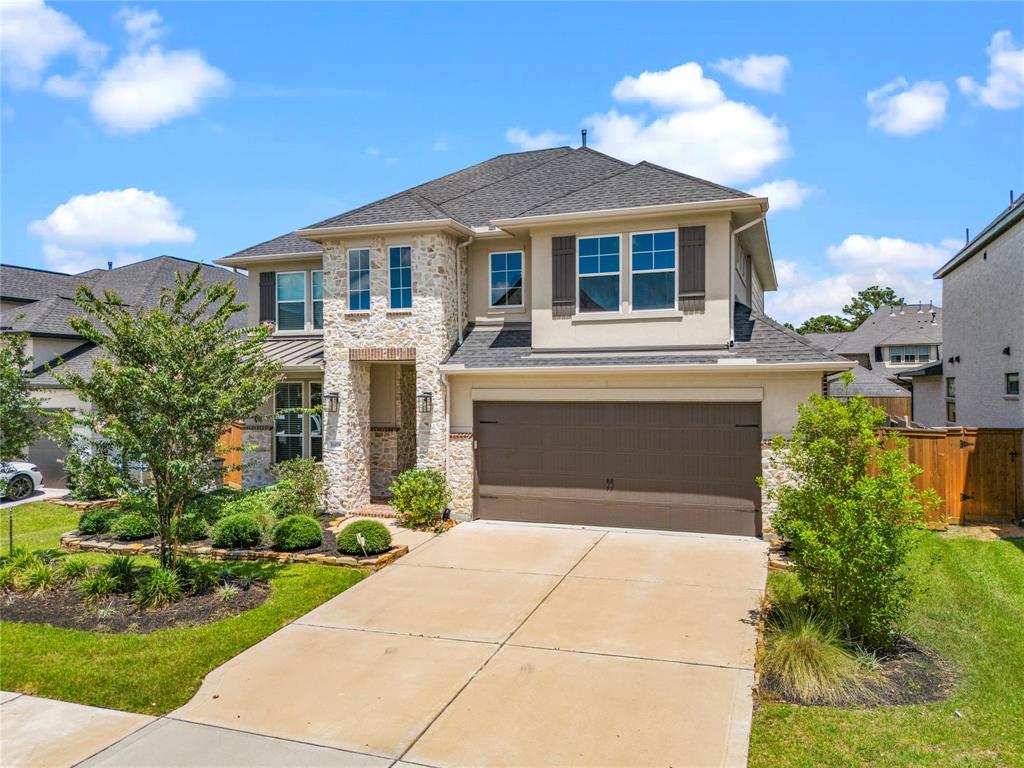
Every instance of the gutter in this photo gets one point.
(396, 226)
(737, 367)
(554, 218)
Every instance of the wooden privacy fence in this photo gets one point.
(976, 471)
(231, 452)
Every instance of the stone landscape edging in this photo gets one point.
(74, 541)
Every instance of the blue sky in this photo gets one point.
(197, 129)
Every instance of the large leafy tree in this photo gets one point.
(19, 408)
(170, 382)
(856, 312)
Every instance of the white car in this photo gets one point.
(20, 478)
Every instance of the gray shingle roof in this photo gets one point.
(138, 285)
(545, 181)
(77, 360)
(285, 245)
(28, 284)
(1013, 213)
(757, 337)
(865, 383)
(827, 341)
(908, 324)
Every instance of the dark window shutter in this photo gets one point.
(691, 269)
(563, 276)
(878, 354)
(268, 285)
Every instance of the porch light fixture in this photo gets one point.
(426, 402)
(331, 401)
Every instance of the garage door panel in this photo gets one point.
(677, 466)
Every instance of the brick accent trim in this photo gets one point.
(382, 354)
(460, 436)
(384, 429)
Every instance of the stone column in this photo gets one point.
(431, 428)
(774, 477)
(347, 435)
(258, 447)
(461, 471)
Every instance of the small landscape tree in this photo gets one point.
(170, 382)
(850, 514)
(20, 410)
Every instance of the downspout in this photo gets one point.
(458, 284)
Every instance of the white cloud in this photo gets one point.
(763, 73)
(68, 86)
(1004, 87)
(784, 194)
(144, 90)
(88, 230)
(682, 87)
(527, 141)
(902, 109)
(33, 35)
(859, 261)
(143, 27)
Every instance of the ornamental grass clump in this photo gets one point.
(98, 585)
(121, 568)
(159, 588)
(420, 496)
(73, 569)
(850, 516)
(376, 538)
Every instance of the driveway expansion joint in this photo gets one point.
(654, 659)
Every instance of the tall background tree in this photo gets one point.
(857, 311)
(170, 382)
(19, 408)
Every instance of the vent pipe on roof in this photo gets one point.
(584, 135)
(967, 235)
(110, 265)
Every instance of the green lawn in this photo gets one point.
(971, 610)
(37, 525)
(156, 672)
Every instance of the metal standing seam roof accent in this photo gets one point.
(757, 337)
(298, 352)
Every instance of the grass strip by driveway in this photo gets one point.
(970, 610)
(157, 672)
(37, 525)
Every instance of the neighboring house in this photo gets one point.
(39, 303)
(880, 391)
(568, 337)
(976, 383)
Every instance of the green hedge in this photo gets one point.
(376, 536)
(297, 532)
(237, 531)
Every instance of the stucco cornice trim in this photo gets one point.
(816, 365)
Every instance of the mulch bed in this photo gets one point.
(906, 674)
(65, 607)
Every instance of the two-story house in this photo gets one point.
(568, 337)
(976, 381)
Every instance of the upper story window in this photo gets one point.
(400, 276)
(1013, 383)
(653, 261)
(507, 279)
(316, 285)
(291, 301)
(598, 266)
(908, 354)
(951, 386)
(358, 279)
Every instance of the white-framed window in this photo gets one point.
(903, 355)
(506, 278)
(400, 276)
(297, 434)
(653, 265)
(291, 301)
(316, 292)
(951, 387)
(358, 279)
(1012, 381)
(598, 267)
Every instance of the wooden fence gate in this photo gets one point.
(231, 452)
(976, 471)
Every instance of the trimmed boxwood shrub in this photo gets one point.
(98, 520)
(377, 536)
(236, 531)
(191, 526)
(297, 532)
(132, 525)
(419, 496)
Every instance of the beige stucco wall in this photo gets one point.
(44, 349)
(626, 329)
(480, 309)
(779, 392)
(252, 299)
(983, 313)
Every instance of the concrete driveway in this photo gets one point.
(496, 644)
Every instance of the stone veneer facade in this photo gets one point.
(258, 447)
(426, 333)
(774, 477)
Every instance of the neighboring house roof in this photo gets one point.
(532, 184)
(887, 326)
(138, 285)
(865, 383)
(1007, 218)
(30, 284)
(77, 360)
(933, 368)
(757, 337)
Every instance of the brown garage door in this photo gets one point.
(664, 466)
